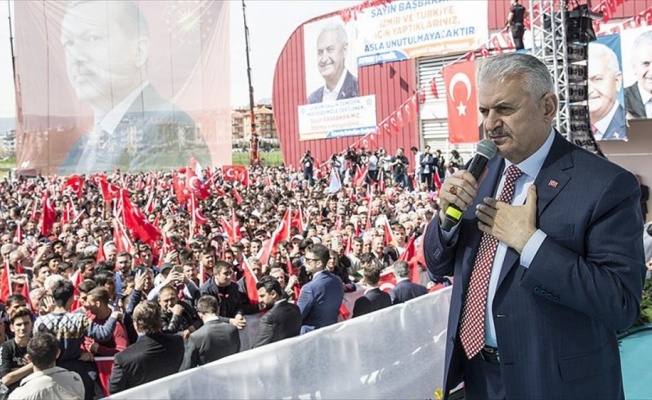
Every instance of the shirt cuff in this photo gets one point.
(532, 247)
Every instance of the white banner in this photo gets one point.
(410, 29)
(349, 117)
(397, 352)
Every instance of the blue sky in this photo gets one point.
(271, 23)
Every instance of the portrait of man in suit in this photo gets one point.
(605, 82)
(332, 49)
(107, 46)
(542, 283)
(638, 97)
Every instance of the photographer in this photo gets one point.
(308, 162)
(399, 169)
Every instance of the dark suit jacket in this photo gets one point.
(633, 102)
(209, 343)
(281, 322)
(150, 358)
(556, 321)
(617, 129)
(320, 301)
(348, 90)
(406, 290)
(153, 134)
(374, 300)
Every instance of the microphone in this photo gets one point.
(486, 150)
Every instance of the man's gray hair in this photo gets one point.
(606, 54)
(338, 28)
(644, 39)
(535, 75)
(401, 269)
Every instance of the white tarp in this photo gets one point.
(397, 352)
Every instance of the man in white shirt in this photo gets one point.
(47, 381)
(106, 46)
(638, 97)
(339, 83)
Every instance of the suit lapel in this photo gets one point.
(551, 180)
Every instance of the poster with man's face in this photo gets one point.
(121, 84)
(637, 71)
(605, 89)
(331, 60)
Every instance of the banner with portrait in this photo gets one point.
(333, 107)
(637, 71)
(133, 85)
(605, 89)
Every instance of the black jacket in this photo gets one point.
(209, 343)
(374, 300)
(232, 300)
(150, 358)
(406, 290)
(281, 322)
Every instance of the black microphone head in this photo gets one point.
(486, 148)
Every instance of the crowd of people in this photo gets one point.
(158, 270)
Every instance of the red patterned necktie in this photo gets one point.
(475, 304)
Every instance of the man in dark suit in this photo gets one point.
(374, 299)
(153, 356)
(605, 81)
(212, 341)
(282, 320)
(556, 263)
(339, 83)
(134, 128)
(638, 97)
(321, 298)
(405, 289)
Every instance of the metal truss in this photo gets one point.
(548, 26)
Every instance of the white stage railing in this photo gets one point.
(397, 352)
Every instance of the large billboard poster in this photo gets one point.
(409, 29)
(135, 85)
(334, 107)
(605, 85)
(637, 71)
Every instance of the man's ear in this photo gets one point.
(550, 106)
(143, 52)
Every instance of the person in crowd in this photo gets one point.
(214, 340)
(321, 298)
(428, 168)
(234, 304)
(308, 162)
(399, 166)
(605, 81)
(288, 284)
(373, 299)
(155, 355)
(97, 305)
(70, 329)
(574, 288)
(177, 315)
(14, 365)
(48, 381)
(339, 83)
(405, 289)
(282, 319)
(638, 95)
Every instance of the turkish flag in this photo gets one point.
(48, 215)
(250, 282)
(236, 173)
(5, 282)
(462, 102)
(387, 281)
(360, 176)
(109, 190)
(194, 184)
(76, 184)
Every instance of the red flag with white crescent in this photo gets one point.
(236, 173)
(387, 281)
(462, 102)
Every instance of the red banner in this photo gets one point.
(462, 102)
